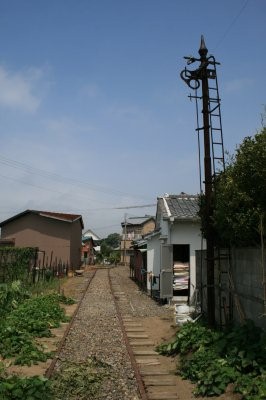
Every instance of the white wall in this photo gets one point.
(153, 259)
(187, 233)
(176, 233)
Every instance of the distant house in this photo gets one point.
(171, 265)
(96, 239)
(56, 235)
(87, 250)
(132, 230)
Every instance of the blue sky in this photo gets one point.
(93, 113)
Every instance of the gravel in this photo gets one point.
(96, 332)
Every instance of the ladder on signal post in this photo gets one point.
(215, 121)
(222, 255)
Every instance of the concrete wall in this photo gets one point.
(153, 261)
(245, 296)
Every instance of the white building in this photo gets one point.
(171, 263)
(96, 238)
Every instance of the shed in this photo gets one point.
(171, 247)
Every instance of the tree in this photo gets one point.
(108, 245)
(114, 257)
(105, 249)
(113, 240)
(240, 204)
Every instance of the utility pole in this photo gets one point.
(193, 79)
(208, 184)
(125, 238)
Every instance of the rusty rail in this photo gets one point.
(141, 387)
(50, 369)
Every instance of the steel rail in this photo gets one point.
(141, 387)
(50, 369)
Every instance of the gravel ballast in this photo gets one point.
(96, 332)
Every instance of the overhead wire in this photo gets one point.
(30, 184)
(62, 179)
(58, 177)
(231, 24)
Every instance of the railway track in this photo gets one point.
(152, 381)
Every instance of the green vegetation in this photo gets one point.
(34, 317)
(23, 317)
(240, 208)
(112, 240)
(213, 359)
(17, 388)
(79, 380)
(108, 246)
(74, 381)
(15, 262)
(11, 295)
(49, 285)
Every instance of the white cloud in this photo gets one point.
(17, 90)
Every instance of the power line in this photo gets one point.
(87, 210)
(80, 210)
(30, 184)
(231, 25)
(128, 207)
(61, 178)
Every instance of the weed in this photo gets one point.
(17, 388)
(214, 359)
(33, 318)
(78, 380)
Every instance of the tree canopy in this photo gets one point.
(240, 195)
(108, 247)
(113, 240)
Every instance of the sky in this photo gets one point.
(94, 117)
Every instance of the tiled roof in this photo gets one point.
(137, 221)
(181, 207)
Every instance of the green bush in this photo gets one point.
(33, 318)
(11, 295)
(214, 359)
(33, 388)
